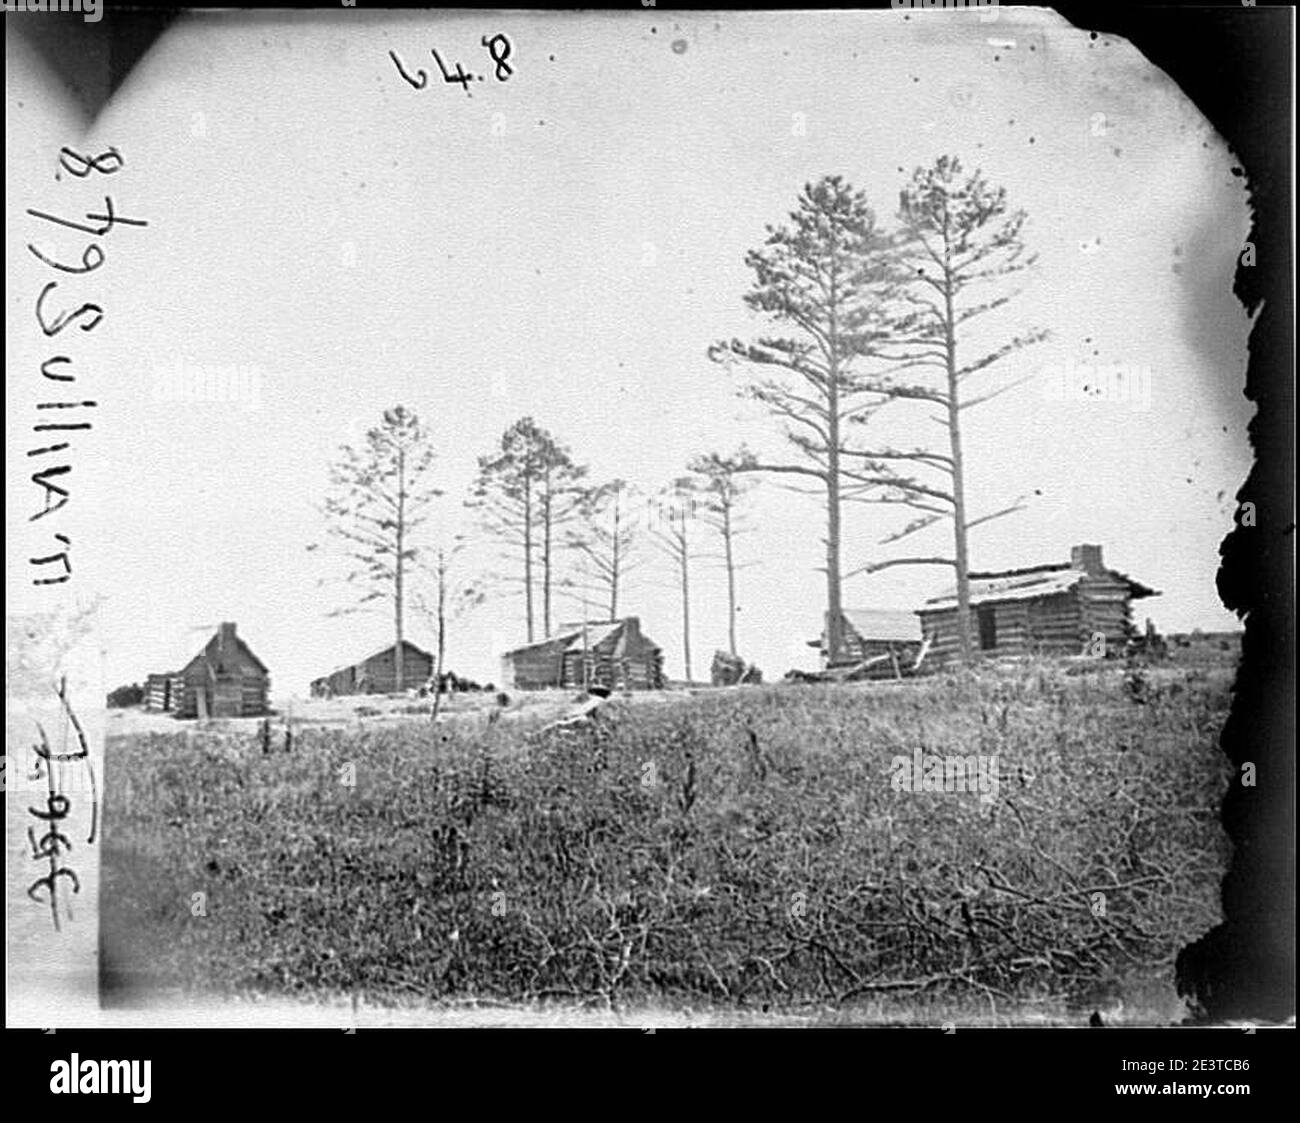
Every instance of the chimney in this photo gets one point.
(226, 637)
(1087, 558)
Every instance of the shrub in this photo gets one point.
(129, 695)
(744, 849)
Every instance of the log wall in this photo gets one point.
(1061, 624)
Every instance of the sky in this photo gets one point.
(326, 241)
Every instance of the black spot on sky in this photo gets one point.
(550, 58)
(1118, 151)
(1031, 140)
(996, 58)
(914, 79)
(679, 46)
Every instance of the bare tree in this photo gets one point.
(606, 544)
(958, 237)
(826, 278)
(451, 598)
(378, 499)
(527, 491)
(721, 489)
(671, 533)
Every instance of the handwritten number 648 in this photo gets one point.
(498, 47)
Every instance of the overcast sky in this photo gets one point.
(566, 244)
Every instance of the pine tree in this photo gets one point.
(958, 239)
(824, 277)
(721, 490)
(378, 500)
(528, 490)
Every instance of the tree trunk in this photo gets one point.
(958, 489)
(686, 602)
(546, 555)
(442, 635)
(528, 556)
(401, 546)
(834, 606)
(442, 618)
(731, 579)
(613, 581)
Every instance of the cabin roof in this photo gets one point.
(570, 637)
(884, 624)
(209, 653)
(899, 626)
(1027, 584)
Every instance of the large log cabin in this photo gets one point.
(1055, 609)
(611, 653)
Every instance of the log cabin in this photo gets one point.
(1056, 609)
(885, 643)
(225, 679)
(377, 673)
(610, 653)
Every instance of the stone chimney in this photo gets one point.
(226, 637)
(1087, 558)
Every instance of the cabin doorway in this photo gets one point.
(988, 626)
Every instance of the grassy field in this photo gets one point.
(733, 855)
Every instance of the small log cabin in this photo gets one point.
(887, 641)
(611, 653)
(377, 673)
(1047, 609)
(225, 679)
